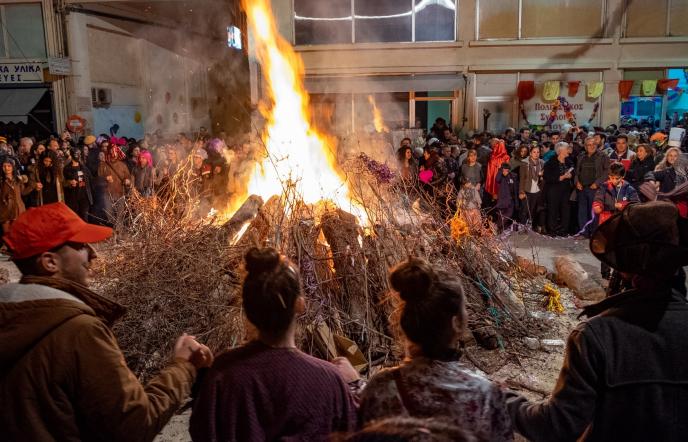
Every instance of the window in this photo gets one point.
(657, 18)
(498, 19)
(502, 19)
(646, 18)
(364, 21)
(22, 31)
(561, 18)
(678, 17)
(319, 22)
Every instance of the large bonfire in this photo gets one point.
(342, 220)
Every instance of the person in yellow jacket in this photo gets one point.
(62, 374)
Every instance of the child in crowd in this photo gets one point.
(613, 196)
(469, 199)
(507, 183)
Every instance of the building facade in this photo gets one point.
(463, 59)
(124, 68)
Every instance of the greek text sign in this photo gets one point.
(13, 73)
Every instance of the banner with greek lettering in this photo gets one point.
(578, 109)
(16, 73)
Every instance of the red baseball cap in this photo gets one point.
(43, 228)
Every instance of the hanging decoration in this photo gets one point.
(137, 117)
(526, 90)
(524, 115)
(595, 89)
(648, 87)
(625, 88)
(573, 88)
(594, 112)
(550, 90)
(561, 103)
(665, 84)
(675, 93)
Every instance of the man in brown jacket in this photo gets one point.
(62, 374)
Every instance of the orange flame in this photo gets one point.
(296, 152)
(377, 116)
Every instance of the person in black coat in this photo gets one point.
(642, 164)
(77, 189)
(558, 176)
(670, 172)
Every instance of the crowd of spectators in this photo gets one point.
(93, 174)
(549, 180)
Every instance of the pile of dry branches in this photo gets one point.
(178, 273)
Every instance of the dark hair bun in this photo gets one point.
(413, 279)
(262, 260)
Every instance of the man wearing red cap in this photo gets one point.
(62, 374)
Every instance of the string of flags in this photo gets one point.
(551, 90)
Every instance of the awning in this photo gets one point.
(16, 104)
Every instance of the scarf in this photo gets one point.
(108, 311)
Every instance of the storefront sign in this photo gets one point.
(59, 66)
(537, 111)
(13, 73)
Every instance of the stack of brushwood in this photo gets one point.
(178, 272)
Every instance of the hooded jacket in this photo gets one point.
(624, 376)
(63, 376)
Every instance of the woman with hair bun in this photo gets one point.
(268, 389)
(432, 382)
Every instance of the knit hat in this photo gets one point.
(90, 139)
(643, 239)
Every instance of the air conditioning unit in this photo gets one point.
(101, 97)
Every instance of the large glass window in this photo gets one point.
(646, 18)
(22, 31)
(322, 22)
(678, 16)
(539, 18)
(365, 21)
(498, 19)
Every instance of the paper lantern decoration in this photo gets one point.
(573, 88)
(137, 117)
(665, 84)
(526, 90)
(648, 87)
(595, 89)
(550, 91)
(625, 87)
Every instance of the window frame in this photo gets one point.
(6, 38)
(519, 32)
(353, 27)
(667, 23)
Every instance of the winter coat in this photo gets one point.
(508, 191)
(82, 176)
(554, 169)
(668, 179)
(494, 166)
(119, 172)
(624, 377)
(11, 203)
(528, 171)
(608, 195)
(143, 180)
(601, 165)
(639, 169)
(63, 375)
(624, 159)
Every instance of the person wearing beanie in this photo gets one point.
(624, 376)
(63, 374)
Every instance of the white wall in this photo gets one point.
(166, 90)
